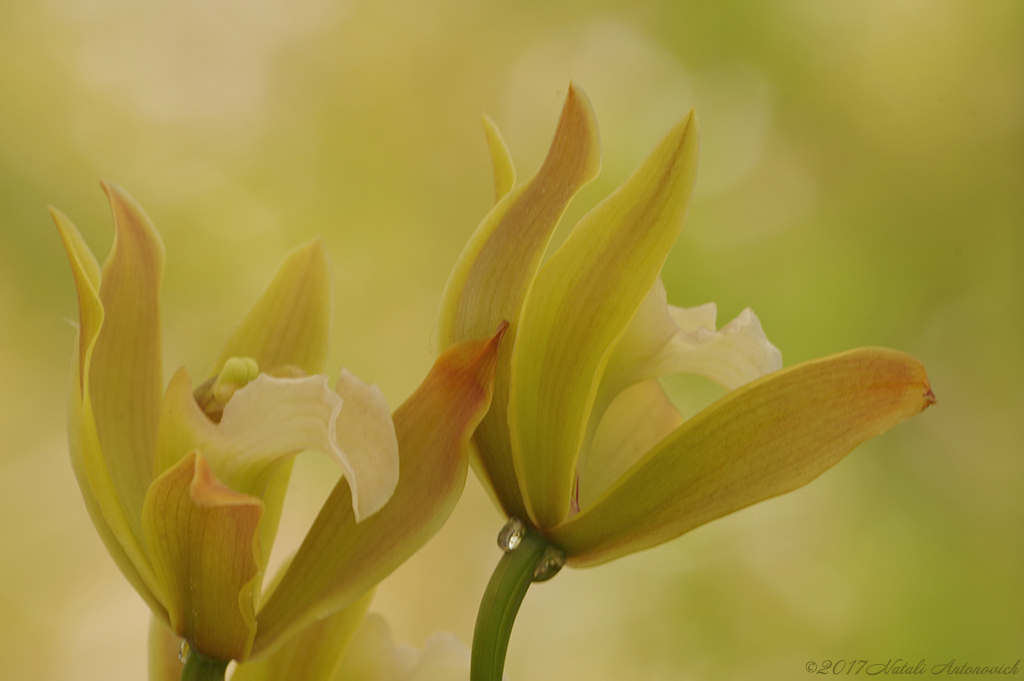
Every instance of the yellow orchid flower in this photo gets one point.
(581, 448)
(186, 487)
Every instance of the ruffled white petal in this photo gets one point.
(272, 418)
(736, 354)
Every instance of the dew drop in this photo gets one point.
(183, 652)
(511, 535)
(550, 563)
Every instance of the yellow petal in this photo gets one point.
(762, 440)
(290, 323)
(490, 280)
(314, 654)
(164, 653)
(501, 160)
(125, 368)
(203, 541)
(638, 418)
(87, 460)
(339, 559)
(578, 307)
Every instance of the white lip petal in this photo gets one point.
(365, 432)
(736, 354)
(273, 418)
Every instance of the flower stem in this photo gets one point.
(199, 667)
(528, 559)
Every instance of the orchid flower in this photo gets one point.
(582, 449)
(186, 487)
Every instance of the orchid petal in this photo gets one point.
(637, 419)
(271, 419)
(124, 370)
(736, 354)
(315, 653)
(340, 559)
(290, 323)
(501, 160)
(87, 460)
(490, 280)
(579, 305)
(764, 439)
(203, 541)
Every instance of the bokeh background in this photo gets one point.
(861, 182)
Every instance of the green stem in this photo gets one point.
(199, 667)
(500, 604)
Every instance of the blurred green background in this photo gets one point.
(861, 182)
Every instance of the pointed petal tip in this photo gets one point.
(929, 396)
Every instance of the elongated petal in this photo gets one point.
(579, 306)
(490, 279)
(290, 323)
(764, 439)
(203, 540)
(271, 419)
(501, 160)
(87, 460)
(314, 654)
(339, 559)
(635, 422)
(125, 368)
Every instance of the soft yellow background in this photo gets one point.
(861, 182)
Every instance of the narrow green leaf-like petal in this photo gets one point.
(314, 654)
(490, 280)
(579, 306)
(764, 439)
(290, 323)
(501, 160)
(340, 559)
(87, 460)
(125, 379)
(203, 540)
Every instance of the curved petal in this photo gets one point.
(125, 368)
(315, 653)
(271, 419)
(762, 440)
(490, 279)
(632, 425)
(204, 543)
(87, 460)
(339, 559)
(579, 305)
(290, 323)
(501, 160)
